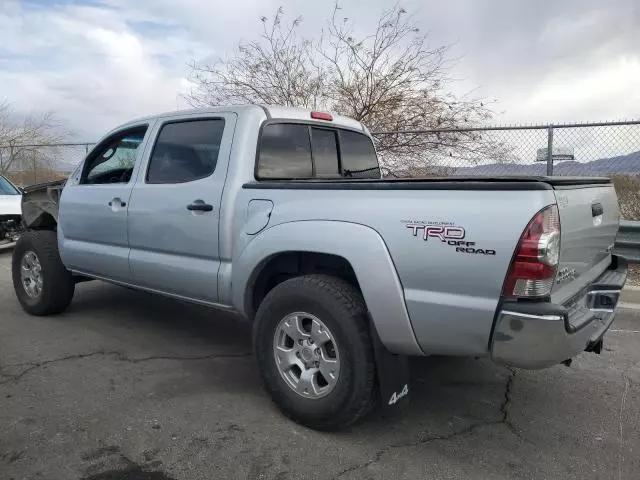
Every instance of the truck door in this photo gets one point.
(175, 207)
(92, 220)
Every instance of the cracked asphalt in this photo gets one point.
(130, 386)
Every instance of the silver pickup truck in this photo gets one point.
(281, 215)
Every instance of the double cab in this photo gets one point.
(282, 216)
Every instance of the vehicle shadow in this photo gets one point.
(173, 323)
(448, 391)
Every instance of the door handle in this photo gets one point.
(199, 206)
(596, 209)
(117, 202)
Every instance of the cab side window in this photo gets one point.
(185, 151)
(114, 159)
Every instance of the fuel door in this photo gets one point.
(258, 216)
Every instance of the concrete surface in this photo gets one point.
(128, 386)
(631, 295)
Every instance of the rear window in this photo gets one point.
(324, 146)
(300, 151)
(285, 152)
(358, 156)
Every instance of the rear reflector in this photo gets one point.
(322, 116)
(533, 269)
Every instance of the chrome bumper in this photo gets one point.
(539, 334)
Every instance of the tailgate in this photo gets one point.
(589, 219)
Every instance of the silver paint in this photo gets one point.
(423, 296)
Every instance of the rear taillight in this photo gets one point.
(533, 269)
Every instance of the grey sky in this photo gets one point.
(101, 62)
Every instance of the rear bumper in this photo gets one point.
(539, 334)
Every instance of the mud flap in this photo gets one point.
(393, 374)
(596, 346)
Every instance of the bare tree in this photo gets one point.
(277, 69)
(391, 80)
(21, 139)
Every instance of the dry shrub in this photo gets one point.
(24, 178)
(628, 190)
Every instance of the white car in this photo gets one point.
(10, 210)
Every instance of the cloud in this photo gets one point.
(91, 65)
(101, 62)
(606, 91)
(560, 61)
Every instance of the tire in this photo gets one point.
(56, 283)
(341, 309)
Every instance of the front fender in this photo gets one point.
(40, 204)
(361, 246)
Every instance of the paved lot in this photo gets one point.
(130, 386)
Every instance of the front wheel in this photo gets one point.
(42, 283)
(314, 351)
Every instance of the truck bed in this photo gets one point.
(452, 294)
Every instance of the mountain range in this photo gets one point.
(625, 164)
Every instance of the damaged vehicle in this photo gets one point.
(10, 213)
(281, 216)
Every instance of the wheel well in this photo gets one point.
(44, 221)
(286, 265)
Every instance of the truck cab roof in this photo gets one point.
(268, 111)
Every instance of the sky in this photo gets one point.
(99, 63)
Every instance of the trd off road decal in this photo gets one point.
(446, 232)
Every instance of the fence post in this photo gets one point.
(550, 150)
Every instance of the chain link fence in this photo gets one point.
(609, 149)
(569, 149)
(30, 164)
(592, 149)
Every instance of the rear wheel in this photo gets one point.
(42, 283)
(315, 355)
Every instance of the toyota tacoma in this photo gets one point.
(281, 215)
